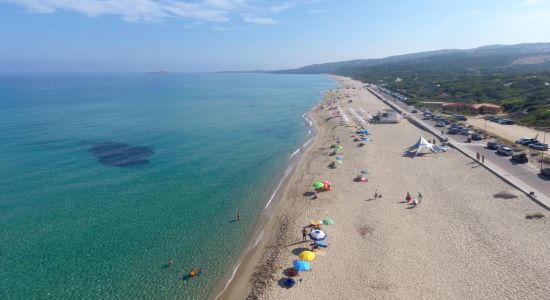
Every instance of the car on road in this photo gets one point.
(526, 141)
(539, 146)
(520, 158)
(493, 145)
(476, 137)
(440, 124)
(506, 151)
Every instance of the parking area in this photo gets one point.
(526, 172)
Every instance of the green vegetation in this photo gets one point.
(495, 74)
(525, 97)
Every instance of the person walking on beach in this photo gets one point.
(408, 198)
(238, 216)
(478, 156)
(376, 194)
(483, 159)
(304, 234)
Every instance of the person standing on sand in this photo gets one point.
(408, 198)
(376, 195)
(238, 216)
(478, 156)
(304, 235)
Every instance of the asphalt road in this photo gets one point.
(525, 172)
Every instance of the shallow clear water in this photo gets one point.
(103, 177)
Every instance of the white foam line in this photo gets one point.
(278, 186)
(356, 115)
(228, 282)
(294, 153)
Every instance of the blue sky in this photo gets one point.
(211, 35)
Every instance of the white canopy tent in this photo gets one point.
(422, 146)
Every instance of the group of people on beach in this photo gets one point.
(408, 198)
(413, 201)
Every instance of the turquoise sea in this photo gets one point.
(104, 177)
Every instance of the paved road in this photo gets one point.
(526, 173)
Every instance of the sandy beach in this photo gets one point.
(461, 242)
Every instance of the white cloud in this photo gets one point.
(252, 11)
(258, 20)
(316, 11)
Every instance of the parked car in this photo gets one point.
(545, 172)
(414, 111)
(494, 119)
(476, 137)
(452, 130)
(539, 146)
(505, 122)
(520, 158)
(439, 124)
(506, 151)
(465, 131)
(447, 122)
(493, 145)
(527, 141)
(460, 117)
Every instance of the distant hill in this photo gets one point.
(493, 56)
(514, 76)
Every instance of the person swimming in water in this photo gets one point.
(194, 272)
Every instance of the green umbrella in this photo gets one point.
(328, 221)
(318, 184)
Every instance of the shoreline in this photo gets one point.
(238, 285)
(455, 245)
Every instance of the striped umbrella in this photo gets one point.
(317, 235)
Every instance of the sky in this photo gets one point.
(217, 35)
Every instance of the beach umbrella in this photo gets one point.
(317, 235)
(326, 182)
(301, 265)
(340, 157)
(307, 255)
(315, 223)
(364, 171)
(323, 244)
(318, 184)
(328, 221)
(289, 282)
